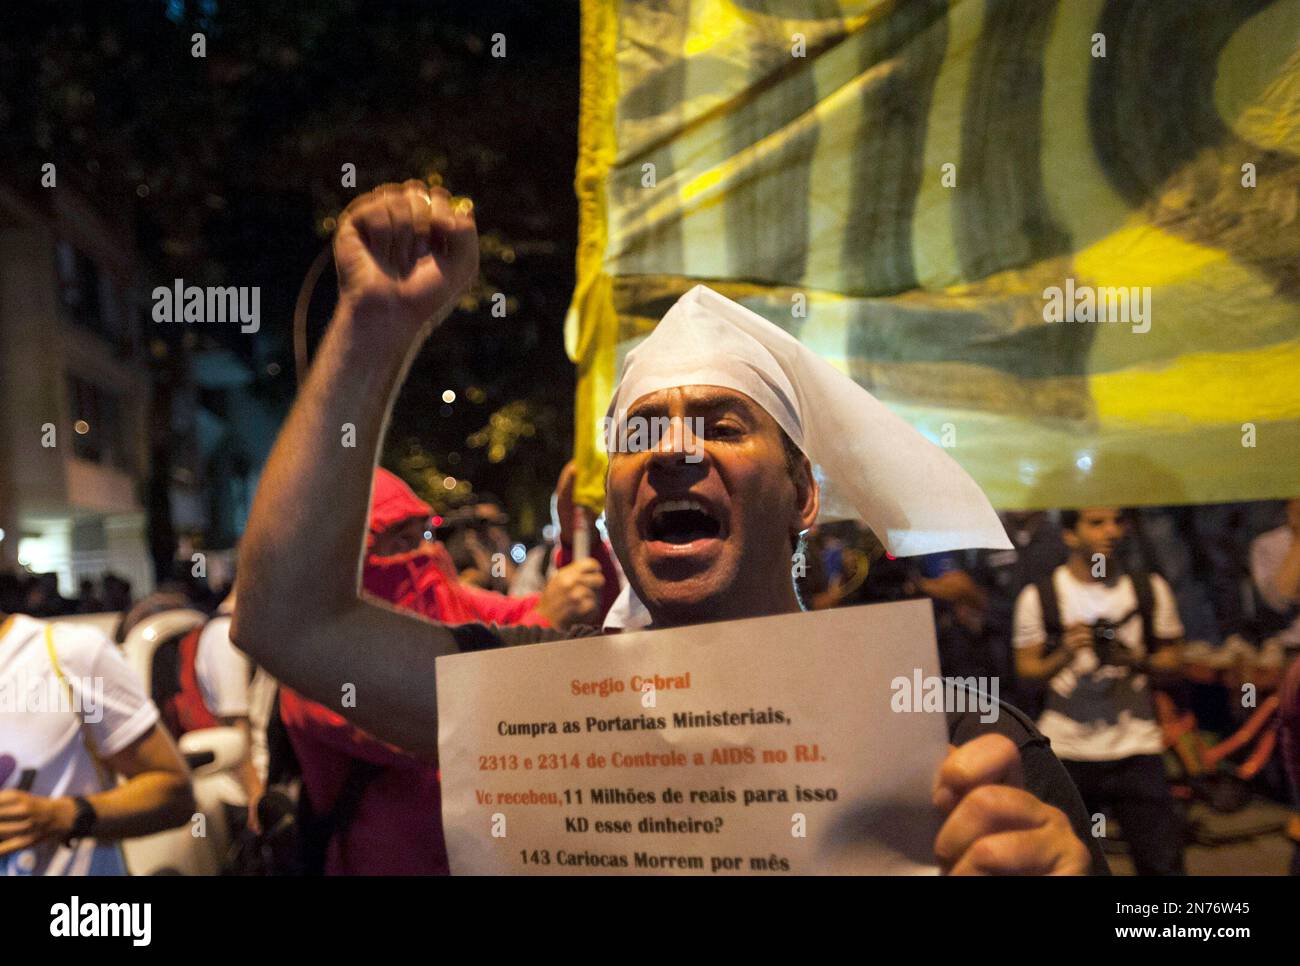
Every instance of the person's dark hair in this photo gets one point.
(793, 454)
(793, 466)
(1070, 518)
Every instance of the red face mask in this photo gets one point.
(399, 579)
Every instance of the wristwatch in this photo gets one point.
(83, 821)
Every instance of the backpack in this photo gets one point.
(183, 709)
(1052, 609)
(315, 832)
(295, 839)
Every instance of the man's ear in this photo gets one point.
(807, 495)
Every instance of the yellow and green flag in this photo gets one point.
(1060, 237)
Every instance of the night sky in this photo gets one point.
(226, 170)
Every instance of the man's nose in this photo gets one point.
(676, 444)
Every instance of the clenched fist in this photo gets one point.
(572, 595)
(27, 819)
(405, 254)
(994, 827)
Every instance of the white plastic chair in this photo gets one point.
(213, 754)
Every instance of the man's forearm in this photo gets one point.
(299, 613)
(303, 540)
(1166, 656)
(404, 255)
(1039, 668)
(147, 803)
(247, 774)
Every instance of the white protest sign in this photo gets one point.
(773, 745)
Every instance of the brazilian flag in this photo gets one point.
(1059, 237)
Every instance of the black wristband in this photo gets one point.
(83, 822)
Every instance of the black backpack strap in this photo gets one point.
(282, 761)
(1146, 606)
(1051, 611)
(315, 832)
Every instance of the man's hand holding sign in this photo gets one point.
(704, 521)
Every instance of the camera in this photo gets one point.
(1105, 640)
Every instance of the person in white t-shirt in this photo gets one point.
(64, 690)
(1096, 665)
(224, 674)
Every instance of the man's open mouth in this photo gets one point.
(683, 521)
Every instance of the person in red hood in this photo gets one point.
(383, 807)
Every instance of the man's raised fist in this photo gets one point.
(405, 254)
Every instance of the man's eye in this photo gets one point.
(722, 431)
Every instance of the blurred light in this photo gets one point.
(549, 532)
(446, 410)
(46, 553)
(518, 553)
(428, 534)
(1084, 463)
(449, 482)
(453, 458)
(273, 369)
(81, 426)
(2, 533)
(449, 395)
(142, 191)
(437, 520)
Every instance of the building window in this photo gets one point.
(79, 286)
(91, 298)
(98, 435)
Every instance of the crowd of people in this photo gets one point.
(1107, 628)
(1081, 624)
(1135, 637)
(37, 594)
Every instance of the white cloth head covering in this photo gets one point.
(871, 464)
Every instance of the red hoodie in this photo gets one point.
(425, 580)
(397, 827)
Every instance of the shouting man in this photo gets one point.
(704, 520)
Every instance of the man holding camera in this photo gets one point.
(1094, 637)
